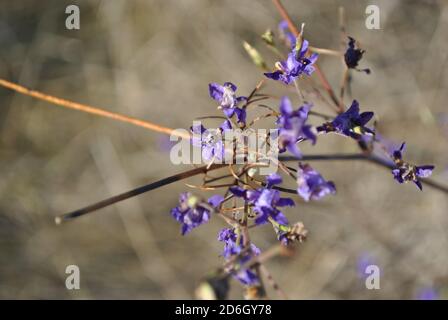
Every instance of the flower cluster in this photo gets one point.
(251, 200)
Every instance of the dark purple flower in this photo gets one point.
(350, 123)
(405, 172)
(192, 212)
(233, 245)
(227, 99)
(210, 141)
(311, 185)
(353, 55)
(292, 127)
(295, 65)
(285, 34)
(265, 201)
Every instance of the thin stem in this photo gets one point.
(132, 193)
(365, 157)
(89, 109)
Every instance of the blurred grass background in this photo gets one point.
(153, 60)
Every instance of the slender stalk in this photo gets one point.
(364, 157)
(90, 109)
(132, 193)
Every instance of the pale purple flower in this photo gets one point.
(292, 127)
(228, 101)
(210, 141)
(311, 185)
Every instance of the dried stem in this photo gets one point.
(135, 192)
(89, 109)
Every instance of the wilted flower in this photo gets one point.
(295, 65)
(233, 245)
(311, 185)
(289, 234)
(350, 123)
(292, 127)
(405, 172)
(265, 201)
(227, 99)
(210, 141)
(192, 211)
(353, 55)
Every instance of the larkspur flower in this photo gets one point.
(210, 141)
(353, 55)
(285, 34)
(311, 185)
(292, 127)
(350, 123)
(295, 65)
(265, 201)
(233, 246)
(192, 212)
(405, 172)
(225, 95)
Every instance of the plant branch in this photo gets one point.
(132, 193)
(90, 109)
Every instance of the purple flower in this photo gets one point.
(350, 123)
(210, 141)
(227, 99)
(405, 172)
(285, 34)
(311, 185)
(292, 127)
(353, 55)
(295, 65)
(427, 293)
(265, 201)
(192, 212)
(233, 245)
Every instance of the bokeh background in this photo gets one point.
(154, 60)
